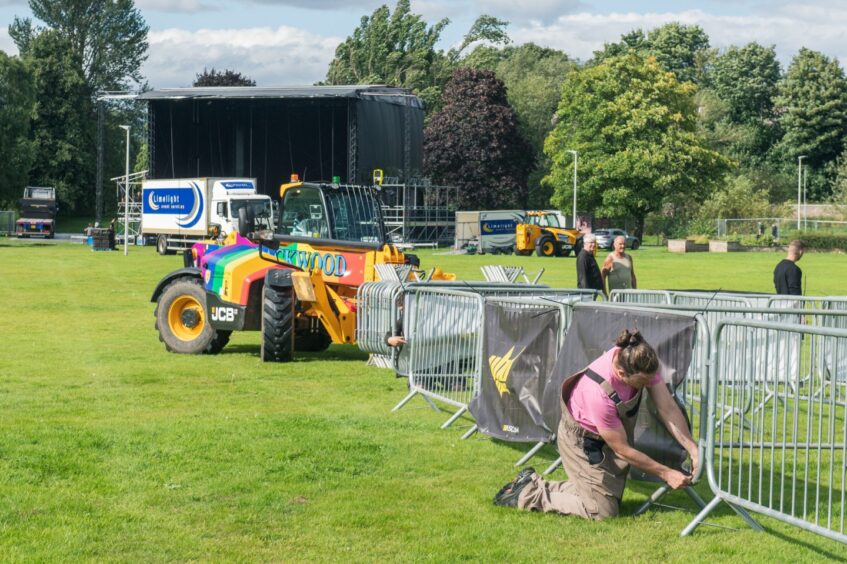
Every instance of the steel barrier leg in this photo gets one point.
(656, 496)
(698, 520)
(530, 454)
(431, 403)
(455, 416)
(552, 467)
(405, 400)
(470, 432)
(692, 493)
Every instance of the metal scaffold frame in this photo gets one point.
(419, 213)
(129, 223)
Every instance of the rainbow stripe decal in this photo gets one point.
(230, 271)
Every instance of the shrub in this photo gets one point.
(819, 240)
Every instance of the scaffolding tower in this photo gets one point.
(128, 218)
(419, 213)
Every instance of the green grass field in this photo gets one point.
(113, 449)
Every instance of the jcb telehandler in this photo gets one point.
(545, 233)
(296, 285)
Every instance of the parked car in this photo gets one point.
(605, 238)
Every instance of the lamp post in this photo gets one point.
(799, 187)
(126, 194)
(573, 152)
(805, 200)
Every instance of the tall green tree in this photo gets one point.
(225, 77)
(107, 38)
(678, 48)
(399, 49)
(17, 99)
(62, 128)
(533, 77)
(634, 128)
(474, 143)
(812, 106)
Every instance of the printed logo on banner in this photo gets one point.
(501, 367)
(186, 203)
(235, 185)
(498, 227)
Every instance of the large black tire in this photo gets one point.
(277, 323)
(567, 253)
(546, 246)
(162, 245)
(636, 244)
(183, 321)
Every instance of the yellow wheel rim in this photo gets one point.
(186, 308)
(547, 248)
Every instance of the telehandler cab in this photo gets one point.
(297, 285)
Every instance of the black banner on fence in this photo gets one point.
(592, 332)
(519, 350)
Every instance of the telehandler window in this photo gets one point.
(302, 214)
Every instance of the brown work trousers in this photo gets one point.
(592, 491)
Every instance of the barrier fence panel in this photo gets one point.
(641, 296)
(789, 464)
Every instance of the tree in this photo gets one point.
(812, 106)
(634, 128)
(107, 38)
(17, 97)
(533, 77)
(399, 49)
(62, 131)
(222, 78)
(474, 143)
(677, 48)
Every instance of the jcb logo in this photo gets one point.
(224, 313)
(510, 429)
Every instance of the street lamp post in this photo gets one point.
(799, 187)
(126, 194)
(573, 152)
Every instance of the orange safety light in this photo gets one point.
(295, 177)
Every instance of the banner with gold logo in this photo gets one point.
(519, 349)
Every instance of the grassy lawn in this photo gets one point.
(113, 449)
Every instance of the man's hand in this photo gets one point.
(395, 341)
(695, 462)
(676, 479)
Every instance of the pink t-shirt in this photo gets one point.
(592, 407)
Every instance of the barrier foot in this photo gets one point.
(453, 418)
(700, 517)
(405, 400)
(530, 454)
(470, 432)
(752, 523)
(431, 403)
(656, 496)
(552, 467)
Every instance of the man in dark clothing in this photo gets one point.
(587, 272)
(787, 275)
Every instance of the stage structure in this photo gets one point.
(419, 213)
(317, 132)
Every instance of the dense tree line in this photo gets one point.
(663, 123)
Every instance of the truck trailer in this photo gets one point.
(181, 212)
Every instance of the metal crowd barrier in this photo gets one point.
(790, 464)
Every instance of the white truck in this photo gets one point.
(180, 212)
(493, 231)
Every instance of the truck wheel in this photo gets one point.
(182, 321)
(546, 247)
(277, 323)
(566, 253)
(162, 245)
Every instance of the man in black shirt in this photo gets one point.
(787, 275)
(587, 272)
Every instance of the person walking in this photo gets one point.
(588, 274)
(618, 271)
(787, 276)
(595, 435)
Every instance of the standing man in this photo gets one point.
(787, 276)
(618, 271)
(587, 272)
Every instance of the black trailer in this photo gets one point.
(316, 132)
(38, 212)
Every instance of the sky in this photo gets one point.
(291, 42)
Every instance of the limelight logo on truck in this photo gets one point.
(498, 227)
(237, 185)
(328, 263)
(187, 203)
